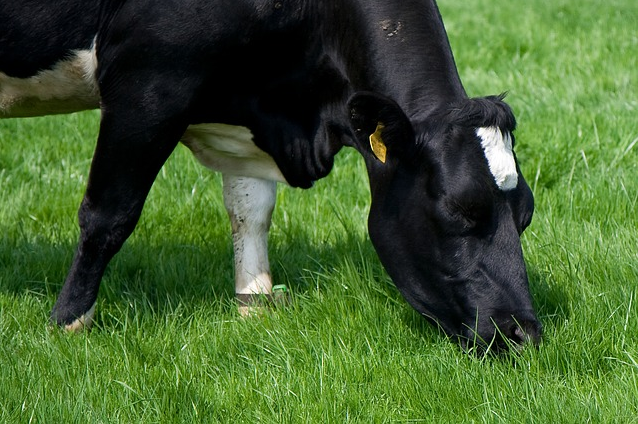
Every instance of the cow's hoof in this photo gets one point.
(255, 304)
(80, 324)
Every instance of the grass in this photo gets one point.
(169, 347)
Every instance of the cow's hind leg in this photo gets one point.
(250, 203)
(130, 151)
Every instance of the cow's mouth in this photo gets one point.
(502, 334)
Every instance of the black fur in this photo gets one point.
(36, 34)
(307, 78)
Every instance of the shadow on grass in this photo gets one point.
(549, 299)
(160, 279)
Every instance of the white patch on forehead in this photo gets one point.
(500, 158)
(67, 87)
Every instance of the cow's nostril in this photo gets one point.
(526, 332)
(520, 336)
(508, 334)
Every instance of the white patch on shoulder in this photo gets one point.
(230, 149)
(500, 158)
(70, 86)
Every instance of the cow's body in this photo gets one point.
(269, 91)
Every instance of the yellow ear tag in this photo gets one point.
(376, 143)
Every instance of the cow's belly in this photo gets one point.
(67, 87)
(230, 149)
(70, 87)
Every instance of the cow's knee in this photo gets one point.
(105, 225)
(249, 202)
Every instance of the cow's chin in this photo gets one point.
(498, 332)
(485, 331)
(479, 326)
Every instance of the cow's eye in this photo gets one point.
(470, 213)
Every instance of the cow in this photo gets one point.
(267, 92)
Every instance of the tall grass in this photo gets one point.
(168, 345)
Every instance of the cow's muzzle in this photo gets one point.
(502, 333)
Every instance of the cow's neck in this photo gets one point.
(399, 53)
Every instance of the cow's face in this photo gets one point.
(449, 204)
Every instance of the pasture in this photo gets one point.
(169, 346)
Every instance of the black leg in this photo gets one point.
(130, 151)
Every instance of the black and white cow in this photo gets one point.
(269, 91)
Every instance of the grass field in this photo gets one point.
(169, 346)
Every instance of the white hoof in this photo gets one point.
(82, 323)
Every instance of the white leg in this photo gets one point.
(250, 202)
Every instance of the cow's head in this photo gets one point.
(449, 204)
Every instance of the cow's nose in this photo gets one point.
(526, 332)
(508, 332)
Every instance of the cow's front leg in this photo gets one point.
(129, 153)
(250, 203)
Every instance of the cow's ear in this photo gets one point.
(380, 126)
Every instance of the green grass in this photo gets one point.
(169, 347)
